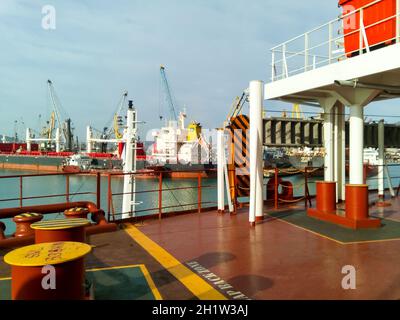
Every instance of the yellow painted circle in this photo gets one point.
(28, 214)
(77, 210)
(50, 253)
(60, 224)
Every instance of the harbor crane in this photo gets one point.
(56, 124)
(168, 95)
(113, 126)
(236, 107)
(111, 132)
(60, 115)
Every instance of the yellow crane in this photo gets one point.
(47, 132)
(117, 125)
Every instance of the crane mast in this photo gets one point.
(168, 94)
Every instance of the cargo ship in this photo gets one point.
(14, 156)
(181, 152)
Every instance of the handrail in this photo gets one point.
(287, 61)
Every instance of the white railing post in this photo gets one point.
(330, 42)
(306, 45)
(283, 60)
(398, 21)
(285, 69)
(360, 48)
(273, 66)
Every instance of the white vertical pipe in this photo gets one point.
(220, 169)
(336, 143)
(256, 99)
(228, 190)
(128, 200)
(381, 161)
(356, 144)
(28, 139)
(88, 139)
(328, 145)
(339, 151)
(342, 152)
(58, 140)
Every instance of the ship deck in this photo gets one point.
(218, 256)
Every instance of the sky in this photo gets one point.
(211, 50)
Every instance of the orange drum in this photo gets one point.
(357, 202)
(48, 271)
(326, 196)
(60, 230)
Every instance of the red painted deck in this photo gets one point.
(277, 260)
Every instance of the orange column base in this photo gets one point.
(325, 200)
(326, 196)
(357, 216)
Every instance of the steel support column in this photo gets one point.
(356, 150)
(220, 170)
(256, 98)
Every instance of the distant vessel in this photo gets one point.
(177, 148)
(276, 158)
(301, 158)
(77, 163)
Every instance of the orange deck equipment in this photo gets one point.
(379, 18)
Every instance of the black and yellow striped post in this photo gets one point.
(239, 164)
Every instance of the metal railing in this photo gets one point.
(22, 198)
(161, 209)
(325, 45)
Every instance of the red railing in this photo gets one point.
(161, 209)
(113, 215)
(67, 194)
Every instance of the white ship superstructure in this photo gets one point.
(176, 143)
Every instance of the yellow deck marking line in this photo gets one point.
(3, 279)
(194, 283)
(373, 241)
(150, 282)
(145, 273)
(334, 240)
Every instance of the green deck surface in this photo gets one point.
(111, 284)
(5, 290)
(389, 230)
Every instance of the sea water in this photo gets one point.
(172, 200)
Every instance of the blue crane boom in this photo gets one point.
(168, 94)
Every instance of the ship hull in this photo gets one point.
(57, 164)
(180, 171)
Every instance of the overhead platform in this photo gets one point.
(350, 61)
(379, 70)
